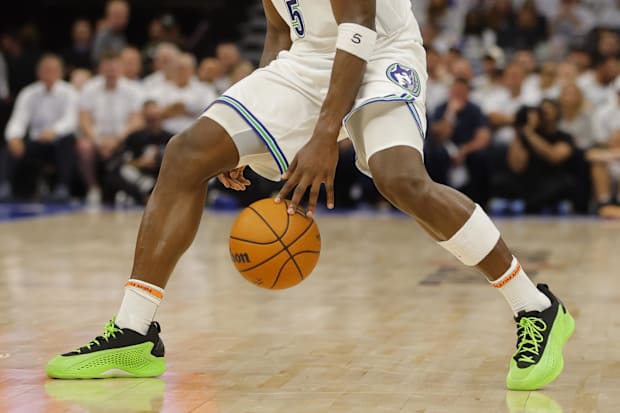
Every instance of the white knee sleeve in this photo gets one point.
(475, 240)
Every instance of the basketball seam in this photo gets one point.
(279, 252)
(253, 242)
(292, 258)
(280, 237)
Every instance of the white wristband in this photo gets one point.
(356, 39)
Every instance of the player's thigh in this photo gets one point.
(269, 119)
(381, 130)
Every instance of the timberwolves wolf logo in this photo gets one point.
(404, 77)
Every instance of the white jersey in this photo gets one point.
(314, 29)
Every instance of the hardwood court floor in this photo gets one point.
(387, 323)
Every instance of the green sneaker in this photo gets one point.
(541, 336)
(117, 353)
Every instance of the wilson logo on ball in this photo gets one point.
(240, 258)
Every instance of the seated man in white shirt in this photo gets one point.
(605, 158)
(184, 98)
(211, 72)
(597, 84)
(163, 66)
(41, 129)
(500, 104)
(110, 109)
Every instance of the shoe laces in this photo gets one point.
(110, 330)
(529, 339)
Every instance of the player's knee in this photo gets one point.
(403, 188)
(176, 149)
(181, 162)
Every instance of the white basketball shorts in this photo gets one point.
(272, 113)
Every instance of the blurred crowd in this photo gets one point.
(91, 121)
(523, 107)
(523, 102)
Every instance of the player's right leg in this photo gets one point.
(130, 345)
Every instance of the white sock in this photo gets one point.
(520, 291)
(139, 305)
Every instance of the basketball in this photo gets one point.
(273, 249)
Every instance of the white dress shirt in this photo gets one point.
(196, 97)
(606, 120)
(498, 99)
(594, 92)
(154, 81)
(38, 109)
(111, 109)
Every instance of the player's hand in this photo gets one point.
(315, 164)
(234, 179)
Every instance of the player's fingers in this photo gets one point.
(286, 189)
(329, 189)
(314, 197)
(245, 181)
(291, 169)
(297, 197)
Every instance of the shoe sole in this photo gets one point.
(108, 364)
(560, 335)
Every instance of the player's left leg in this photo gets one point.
(464, 229)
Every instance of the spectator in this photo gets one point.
(184, 98)
(138, 164)
(531, 27)
(567, 74)
(110, 109)
(79, 54)
(573, 19)
(581, 58)
(492, 64)
(501, 19)
(459, 135)
(22, 55)
(538, 161)
(597, 84)
(80, 78)
(525, 58)
(437, 85)
(461, 68)
(608, 43)
(163, 64)
(605, 159)
(131, 60)
(229, 55)
(242, 70)
(155, 38)
(500, 104)
(448, 18)
(542, 86)
(41, 129)
(111, 35)
(576, 119)
(477, 36)
(211, 72)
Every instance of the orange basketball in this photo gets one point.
(273, 249)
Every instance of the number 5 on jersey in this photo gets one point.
(294, 9)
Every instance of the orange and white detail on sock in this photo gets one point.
(154, 291)
(508, 277)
